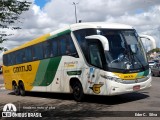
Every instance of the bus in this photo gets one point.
(84, 58)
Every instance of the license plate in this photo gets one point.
(137, 87)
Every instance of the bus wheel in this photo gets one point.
(16, 89)
(152, 73)
(78, 91)
(21, 89)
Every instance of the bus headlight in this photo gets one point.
(114, 79)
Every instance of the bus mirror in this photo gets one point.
(101, 38)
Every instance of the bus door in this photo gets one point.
(97, 62)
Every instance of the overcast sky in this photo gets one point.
(48, 15)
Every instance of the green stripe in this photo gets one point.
(146, 72)
(41, 72)
(51, 71)
(46, 71)
(74, 72)
(59, 34)
(140, 74)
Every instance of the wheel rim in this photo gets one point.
(77, 92)
(15, 89)
(22, 90)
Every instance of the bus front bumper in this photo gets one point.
(120, 88)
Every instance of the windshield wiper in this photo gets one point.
(140, 63)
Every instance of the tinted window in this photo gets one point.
(95, 56)
(54, 47)
(67, 46)
(28, 54)
(62, 41)
(47, 48)
(19, 56)
(80, 35)
(12, 58)
(5, 60)
(62, 45)
(37, 52)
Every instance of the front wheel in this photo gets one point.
(78, 92)
(152, 73)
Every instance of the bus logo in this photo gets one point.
(96, 88)
(22, 69)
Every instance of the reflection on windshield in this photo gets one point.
(126, 52)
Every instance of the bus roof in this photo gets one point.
(72, 27)
(99, 25)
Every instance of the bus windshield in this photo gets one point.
(126, 51)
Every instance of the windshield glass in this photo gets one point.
(126, 51)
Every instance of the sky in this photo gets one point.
(45, 16)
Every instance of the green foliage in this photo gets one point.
(10, 11)
(157, 50)
(154, 50)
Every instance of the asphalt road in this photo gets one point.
(145, 103)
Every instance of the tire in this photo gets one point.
(15, 89)
(78, 91)
(152, 74)
(21, 89)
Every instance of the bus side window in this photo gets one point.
(9, 62)
(37, 52)
(9, 59)
(19, 56)
(28, 54)
(47, 49)
(67, 46)
(80, 35)
(62, 41)
(5, 59)
(12, 58)
(71, 47)
(54, 47)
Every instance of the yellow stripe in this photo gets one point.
(32, 42)
(129, 76)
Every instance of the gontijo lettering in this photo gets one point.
(22, 68)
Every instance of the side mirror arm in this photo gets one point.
(101, 38)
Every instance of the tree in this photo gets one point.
(10, 11)
(157, 50)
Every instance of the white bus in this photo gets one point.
(84, 58)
